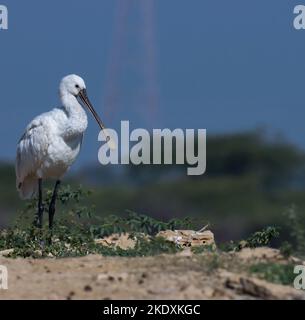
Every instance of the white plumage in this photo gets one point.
(51, 143)
(52, 140)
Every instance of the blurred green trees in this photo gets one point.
(251, 179)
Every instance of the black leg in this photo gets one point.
(40, 205)
(52, 204)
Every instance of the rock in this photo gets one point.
(184, 238)
(189, 238)
(123, 240)
(6, 252)
(257, 288)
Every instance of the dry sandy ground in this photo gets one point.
(162, 277)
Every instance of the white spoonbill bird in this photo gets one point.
(51, 143)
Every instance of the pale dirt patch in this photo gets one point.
(181, 276)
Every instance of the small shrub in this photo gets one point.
(257, 239)
(135, 222)
(286, 249)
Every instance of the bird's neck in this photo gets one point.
(77, 118)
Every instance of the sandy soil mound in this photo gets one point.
(181, 276)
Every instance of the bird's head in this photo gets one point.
(72, 84)
(75, 85)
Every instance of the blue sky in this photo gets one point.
(221, 65)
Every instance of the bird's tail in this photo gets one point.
(27, 188)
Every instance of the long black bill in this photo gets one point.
(84, 98)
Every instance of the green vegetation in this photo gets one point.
(74, 239)
(296, 227)
(77, 228)
(274, 272)
(73, 242)
(250, 179)
(137, 223)
(257, 239)
(286, 249)
(203, 249)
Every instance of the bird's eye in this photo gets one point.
(77, 86)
